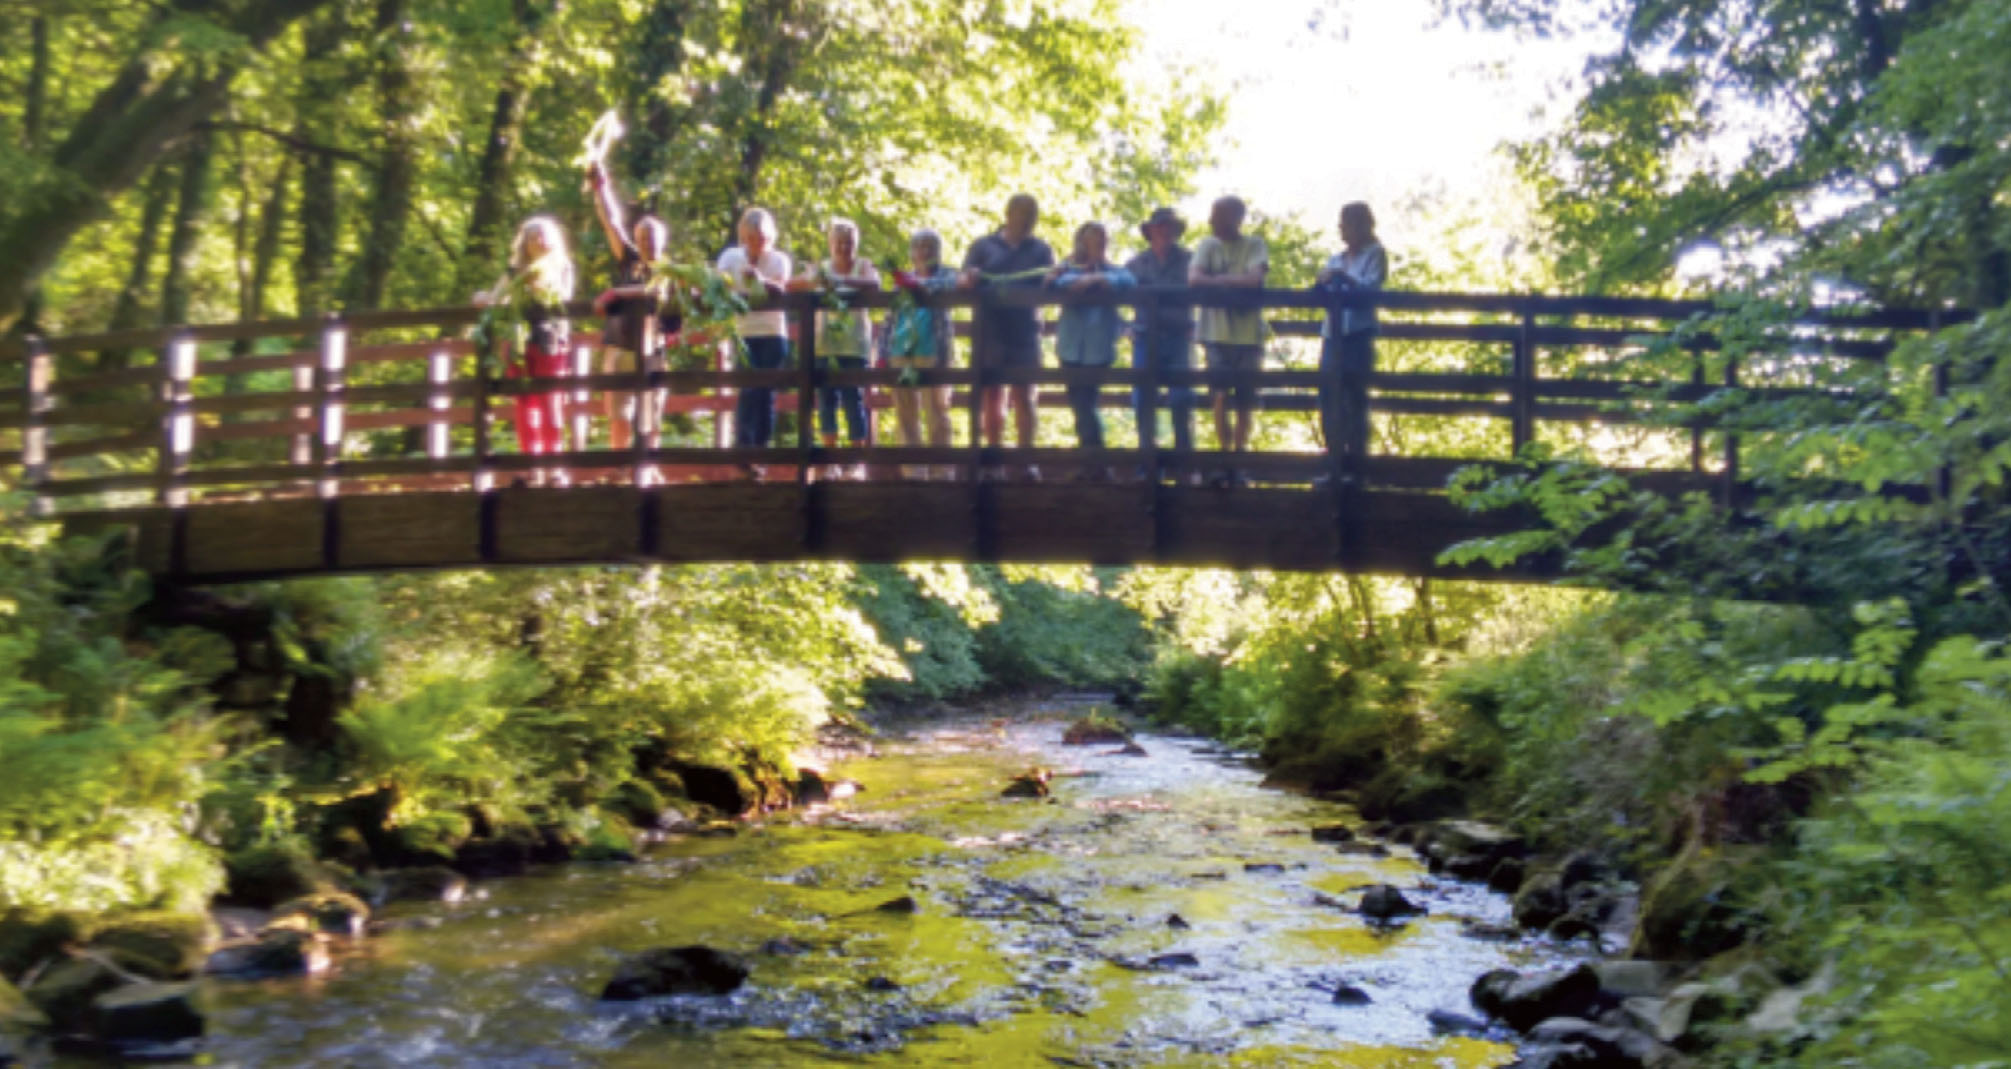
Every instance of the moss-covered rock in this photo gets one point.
(16, 1012)
(158, 945)
(331, 912)
(275, 952)
(29, 937)
(432, 839)
(147, 1013)
(639, 802)
(264, 876)
(1690, 909)
(65, 991)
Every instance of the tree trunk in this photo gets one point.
(488, 218)
(191, 209)
(658, 48)
(264, 253)
(153, 101)
(35, 103)
(320, 89)
(775, 23)
(129, 310)
(392, 204)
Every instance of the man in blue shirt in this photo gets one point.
(1010, 337)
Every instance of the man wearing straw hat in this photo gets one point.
(1163, 339)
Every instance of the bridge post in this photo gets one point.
(984, 525)
(1146, 372)
(178, 370)
(439, 370)
(34, 435)
(1522, 402)
(645, 394)
(583, 421)
(478, 472)
(328, 404)
(803, 317)
(301, 452)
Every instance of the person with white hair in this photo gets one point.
(760, 270)
(844, 338)
(917, 337)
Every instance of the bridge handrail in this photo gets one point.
(322, 405)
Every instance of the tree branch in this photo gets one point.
(292, 141)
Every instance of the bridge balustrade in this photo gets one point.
(350, 428)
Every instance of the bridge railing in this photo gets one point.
(398, 401)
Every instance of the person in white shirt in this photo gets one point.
(1349, 336)
(761, 271)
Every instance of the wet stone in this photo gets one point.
(686, 970)
(903, 904)
(147, 1013)
(1333, 833)
(1350, 995)
(1448, 1023)
(785, 947)
(1263, 868)
(881, 983)
(1385, 903)
(1177, 922)
(1177, 960)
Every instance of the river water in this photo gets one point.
(1031, 944)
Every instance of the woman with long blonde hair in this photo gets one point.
(540, 283)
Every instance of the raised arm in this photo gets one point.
(607, 207)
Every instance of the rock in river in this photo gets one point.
(148, 1013)
(688, 970)
(1523, 1001)
(1385, 903)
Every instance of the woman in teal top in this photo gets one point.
(1087, 334)
(919, 337)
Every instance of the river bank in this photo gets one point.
(1162, 909)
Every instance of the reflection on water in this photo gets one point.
(1034, 944)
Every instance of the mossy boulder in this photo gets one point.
(330, 912)
(17, 1014)
(640, 803)
(1094, 729)
(147, 1013)
(728, 790)
(29, 937)
(1690, 910)
(264, 876)
(157, 945)
(422, 883)
(275, 952)
(433, 838)
(65, 991)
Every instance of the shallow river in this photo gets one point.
(1032, 943)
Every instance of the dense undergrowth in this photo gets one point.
(153, 743)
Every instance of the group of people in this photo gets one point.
(915, 334)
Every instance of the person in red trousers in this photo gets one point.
(540, 283)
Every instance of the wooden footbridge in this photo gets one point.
(254, 450)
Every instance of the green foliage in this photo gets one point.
(103, 748)
(1056, 625)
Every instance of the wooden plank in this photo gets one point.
(410, 530)
(149, 531)
(890, 522)
(253, 538)
(729, 521)
(559, 526)
(1091, 523)
(1250, 528)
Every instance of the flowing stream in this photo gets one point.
(1032, 941)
